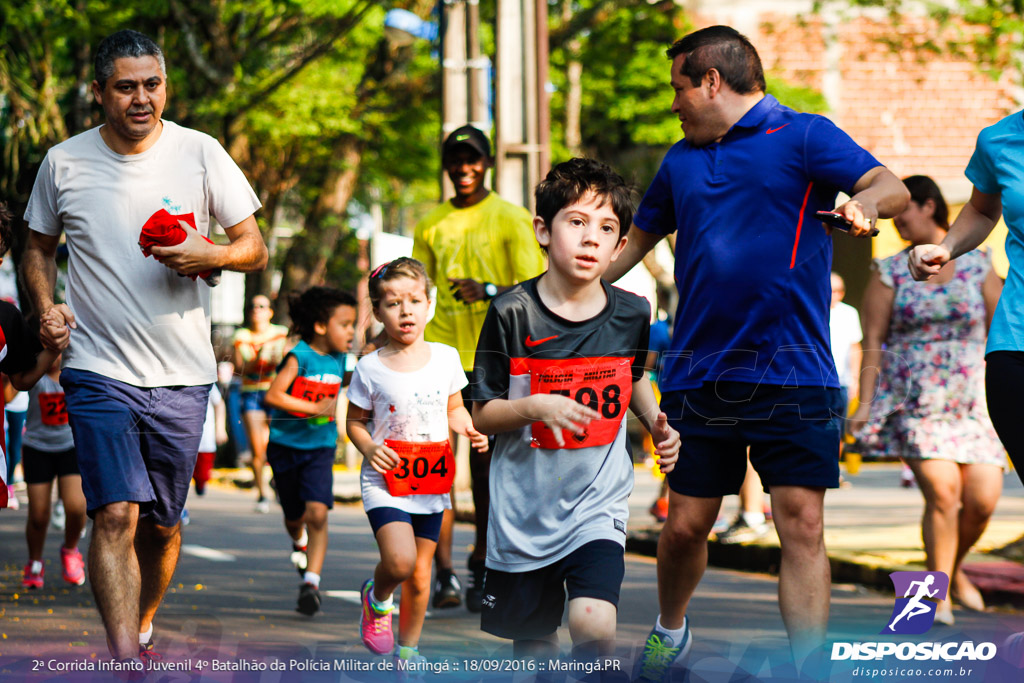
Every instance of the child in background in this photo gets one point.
(303, 431)
(215, 434)
(560, 358)
(49, 453)
(403, 399)
(22, 358)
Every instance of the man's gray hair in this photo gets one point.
(124, 43)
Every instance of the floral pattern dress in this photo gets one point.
(930, 401)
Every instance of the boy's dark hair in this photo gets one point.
(569, 181)
(124, 43)
(922, 188)
(725, 49)
(6, 229)
(400, 267)
(315, 305)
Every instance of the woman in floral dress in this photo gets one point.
(923, 397)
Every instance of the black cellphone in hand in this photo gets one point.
(838, 220)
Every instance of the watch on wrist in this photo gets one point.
(490, 290)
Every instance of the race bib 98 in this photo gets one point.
(602, 384)
(425, 467)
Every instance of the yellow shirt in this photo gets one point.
(268, 347)
(491, 241)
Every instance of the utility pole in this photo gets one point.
(521, 102)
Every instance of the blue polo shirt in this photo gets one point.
(752, 262)
(997, 167)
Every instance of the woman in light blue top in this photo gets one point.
(997, 171)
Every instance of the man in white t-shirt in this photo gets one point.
(139, 366)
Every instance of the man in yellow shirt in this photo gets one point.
(474, 247)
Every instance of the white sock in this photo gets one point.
(753, 518)
(145, 637)
(303, 539)
(382, 606)
(310, 577)
(37, 567)
(676, 635)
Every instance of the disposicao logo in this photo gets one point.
(914, 613)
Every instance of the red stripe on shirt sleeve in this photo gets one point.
(799, 223)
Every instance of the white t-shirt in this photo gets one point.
(844, 329)
(407, 406)
(139, 322)
(208, 442)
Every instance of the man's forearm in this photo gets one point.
(246, 254)
(39, 273)
(886, 192)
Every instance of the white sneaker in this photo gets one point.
(58, 518)
(12, 499)
(262, 506)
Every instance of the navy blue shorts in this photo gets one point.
(793, 435)
(302, 476)
(135, 444)
(528, 605)
(426, 526)
(253, 401)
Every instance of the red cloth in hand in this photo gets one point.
(162, 229)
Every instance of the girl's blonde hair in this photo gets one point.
(392, 270)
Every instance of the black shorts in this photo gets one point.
(1004, 376)
(40, 467)
(302, 476)
(529, 605)
(793, 435)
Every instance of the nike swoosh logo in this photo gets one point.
(531, 343)
(775, 130)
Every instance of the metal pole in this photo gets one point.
(543, 97)
(476, 69)
(454, 102)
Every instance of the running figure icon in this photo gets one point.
(915, 607)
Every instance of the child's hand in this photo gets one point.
(383, 459)
(477, 440)
(561, 412)
(666, 443)
(326, 407)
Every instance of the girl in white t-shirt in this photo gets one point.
(402, 400)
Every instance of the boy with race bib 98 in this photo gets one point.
(560, 359)
(402, 401)
(303, 431)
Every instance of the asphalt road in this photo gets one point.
(232, 606)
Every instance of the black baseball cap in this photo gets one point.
(467, 135)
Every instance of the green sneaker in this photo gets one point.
(660, 654)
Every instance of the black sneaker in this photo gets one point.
(475, 591)
(147, 654)
(447, 590)
(309, 600)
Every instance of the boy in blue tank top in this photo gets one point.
(303, 431)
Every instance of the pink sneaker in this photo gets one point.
(12, 499)
(33, 577)
(374, 627)
(74, 566)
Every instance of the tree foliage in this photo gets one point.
(306, 95)
(988, 32)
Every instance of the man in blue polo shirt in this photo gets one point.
(750, 364)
